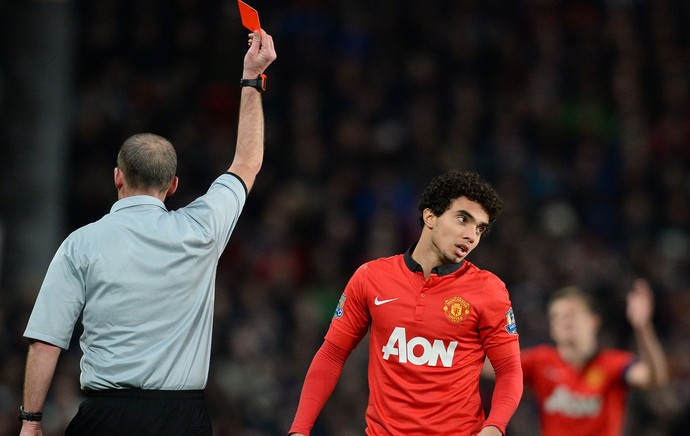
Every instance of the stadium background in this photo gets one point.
(579, 112)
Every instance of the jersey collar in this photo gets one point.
(440, 270)
(137, 200)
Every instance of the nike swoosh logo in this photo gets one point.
(380, 302)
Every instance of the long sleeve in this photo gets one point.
(507, 391)
(319, 383)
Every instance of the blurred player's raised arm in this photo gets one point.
(651, 371)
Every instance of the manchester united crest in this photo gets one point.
(456, 309)
(595, 377)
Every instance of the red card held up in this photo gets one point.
(250, 17)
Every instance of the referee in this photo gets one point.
(142, 278)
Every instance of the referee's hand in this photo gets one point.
(260, 54)
(31, 428)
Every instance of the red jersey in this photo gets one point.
(428, 341)
(587, 401)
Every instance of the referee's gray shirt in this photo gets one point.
(143, 278)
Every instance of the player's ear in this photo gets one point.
(428, 217)
(173, 187)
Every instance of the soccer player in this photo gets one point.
(432, 317)
(142, 279)
(580, 388)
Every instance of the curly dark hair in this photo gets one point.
(454, 184)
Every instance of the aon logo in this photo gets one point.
(418, 351)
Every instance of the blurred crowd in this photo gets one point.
(578, 112)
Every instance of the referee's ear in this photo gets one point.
(173, 187)
(118, 178)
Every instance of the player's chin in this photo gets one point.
(460, 254)
(457, 257)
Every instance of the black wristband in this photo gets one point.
(29, 416)
(258, 83)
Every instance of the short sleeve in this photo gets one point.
(60, 300)
(218, 211)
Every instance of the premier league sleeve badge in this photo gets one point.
(339, 309)
(511, 327)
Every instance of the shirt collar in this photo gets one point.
(440, 270)
(137, 200)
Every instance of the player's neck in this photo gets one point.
(425, 256)
(577, 355)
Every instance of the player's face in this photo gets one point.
(571, 321)
(458, 230)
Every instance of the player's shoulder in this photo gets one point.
(615, 354)
(376, 271)
(537, 355)
(540, 349)
(381, 264)
(482, 276)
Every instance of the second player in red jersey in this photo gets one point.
(433, 318)
(581, 389)
(579, 401)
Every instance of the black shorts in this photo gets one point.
(129, 412)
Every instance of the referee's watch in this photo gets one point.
(258, 83)
(29, 416)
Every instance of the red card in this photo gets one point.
(250, 17)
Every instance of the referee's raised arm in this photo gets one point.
(250, 131)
